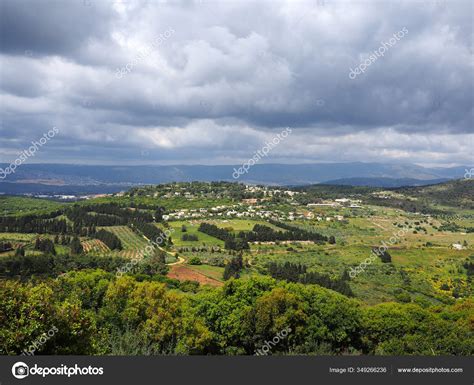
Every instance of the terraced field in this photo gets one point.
(95, 246)
(129, 239)
(133, 244)
(130, 254)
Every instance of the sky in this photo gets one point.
(211, 82)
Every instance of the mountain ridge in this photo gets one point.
(64, 176)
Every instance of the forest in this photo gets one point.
(293, 272)
(130, 316)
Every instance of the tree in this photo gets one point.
(230, 241)
(76, 246)
(45, 245)
(159, 214)
(194, 261)
(154, 264)
(110, 239)
(189, 237)
(5, 246)
(233, 268)
(20, 252)
(332, 240)
(152, 319)
(73, 330)
(385, 257)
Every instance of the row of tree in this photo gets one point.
(189, 237)
(293, 233)
(152, 232)
(295, 272)
(108, 214)
(63, 239)
(110, 239)
(82, 220)
(34, 224)
(47, 265)
(231, 242)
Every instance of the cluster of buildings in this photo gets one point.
(341, 202)
(239, 211)
(329, 219)
(269, 192)
(235, 211)
(196, 213)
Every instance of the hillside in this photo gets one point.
(193, 263)
(457, 193)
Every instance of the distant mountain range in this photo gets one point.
(385, 182)
(79, 179)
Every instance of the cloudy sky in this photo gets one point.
(207, 82)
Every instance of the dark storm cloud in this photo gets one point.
(51, 27)
(231, 75)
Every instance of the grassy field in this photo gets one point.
(214, 272)
(234, 225)
(192, 229)
(237, 225)
(422, 263)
